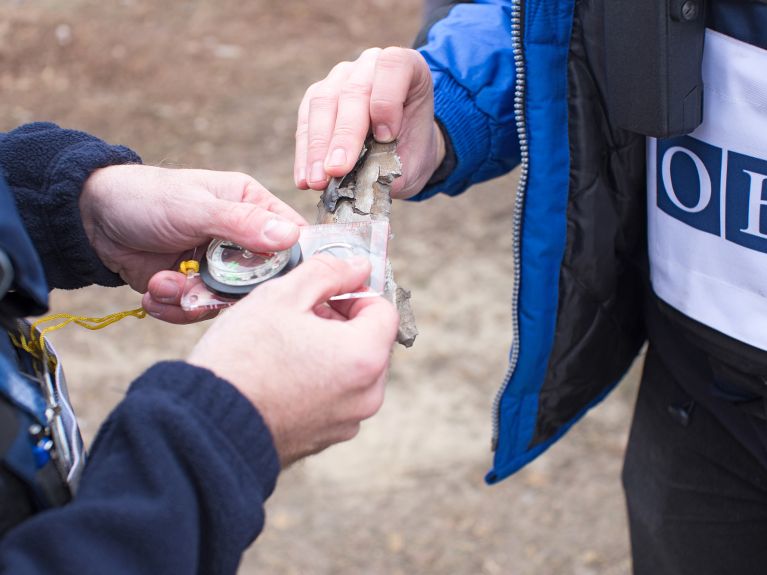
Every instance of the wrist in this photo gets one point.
(89, 205)
(439, 144)
(445, 161)
(249, 389)
(55, 222)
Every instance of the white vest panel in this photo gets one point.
(707, 199)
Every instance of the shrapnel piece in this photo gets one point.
(365, 194)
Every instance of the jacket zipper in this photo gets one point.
(520, 86)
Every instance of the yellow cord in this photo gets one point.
(35, 345)
(189, 266)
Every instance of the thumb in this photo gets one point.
(251, 226)
(321, 277)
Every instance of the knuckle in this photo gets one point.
(269, 291)
(369, 365)
(244, 180)
(318, 144)
(241, 216)
(370, 405)
(323, 102)
(233, 216)
(281, 296)
(345, 132)
(368, 52)
(391, 318)
(340, 68)
(349, 432)
(356, 91)
(393, 57)
(414, 57)
(384, 108)
(313, 89)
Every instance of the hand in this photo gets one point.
(390, 90)
(142, 219)
(314, 370)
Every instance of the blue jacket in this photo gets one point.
(179, 472)
(522, 82)
(515, 84)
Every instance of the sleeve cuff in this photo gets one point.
(219, 403)
(47, 167)
(467, 129)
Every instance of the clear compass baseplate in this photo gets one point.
(228, 272)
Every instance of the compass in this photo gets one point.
(233, 271)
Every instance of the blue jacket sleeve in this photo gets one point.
(471, 58)
(45, 167)
(175, 485)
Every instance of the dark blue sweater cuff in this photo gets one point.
(176, 483)
(46, 168)
(222, 408)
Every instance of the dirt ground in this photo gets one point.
(216, 84)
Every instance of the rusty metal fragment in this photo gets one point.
(364, 194)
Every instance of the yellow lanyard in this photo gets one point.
(34, 344)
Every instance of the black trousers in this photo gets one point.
(696, 497)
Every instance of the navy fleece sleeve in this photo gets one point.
(471, 57)
(175, 485)
(46, 167)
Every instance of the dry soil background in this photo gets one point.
(216, 84)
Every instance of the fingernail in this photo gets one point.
(155, 314)
(383, 133)
(168, 292)
(278, 230)
(318, 172)
(301, 177)
(337, 158)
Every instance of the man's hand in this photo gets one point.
(141, 220)
(314, 370)
(387, 90)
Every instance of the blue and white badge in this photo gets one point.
(707, 199)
